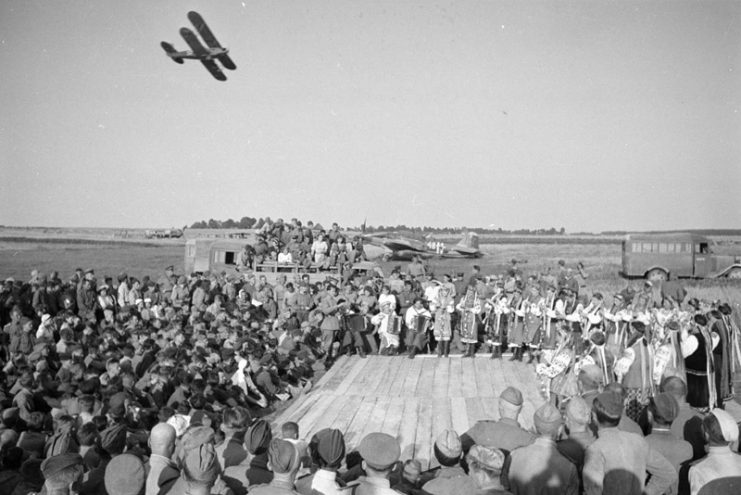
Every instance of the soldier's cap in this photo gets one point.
(200, 463)
(449, 444)
(728, 425)
(488, 458)
(258, 437)
(329, 445)
(512, 396)
(547, 419)
(124, 475)
(611, 403)
(56, 464)
(578, 411)
(379, 450)
(283, 456)
(591, 373)
(665, 408)
(195, 436)
(113, 439)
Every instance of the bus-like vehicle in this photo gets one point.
(659, 256)
(217, 256)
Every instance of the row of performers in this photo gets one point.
(635, 348)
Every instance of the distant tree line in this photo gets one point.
(256, 223)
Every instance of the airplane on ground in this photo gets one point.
(400, 248)
(207, 56)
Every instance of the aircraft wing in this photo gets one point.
(209, 38)
(403, 245)
(214, 69)
(192, 40)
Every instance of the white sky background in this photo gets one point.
(588, 115)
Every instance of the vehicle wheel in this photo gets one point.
(734, 273)
(656, 275)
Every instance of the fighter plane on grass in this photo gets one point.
(402, 248)
(207, 56)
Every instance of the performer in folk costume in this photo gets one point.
(549, 332)
(516, 327)
(734, 339)
(470, 307)
(615, 323)
(442, 306)
(417, 319)
(600, 356)
(668, 358)
(388, 325)
(634, 369)
(558, 378)
(592, 315)
(721, 355)
(495, 323)
(533, 322)
(697, 348)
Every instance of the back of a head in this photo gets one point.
(290, 430)
(674, 386)
(608, 408)
(200, 464)
(448, 448)
(124, 475)
(578, 414)
(510, 403)
(547, 420)
(236, 418)
(616, 388)
(488, 461)
(327, 448)
(283, 457)
(162, 439)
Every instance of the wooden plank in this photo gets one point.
(475, 409)
(380, 373)
(454, 385)
(354, 431)
(339, 371)
(390, 377)
(498, 377)
(426, 376)
(348, 410)
(376, 417)
(323, 404)
(303, 405)
(484, 369)
(441, 378)
(412, 378)
(459, 415)
(401, 375)
(333, 371)
(341, 405)
(422, 441)
(408, 427)
(348, 384)
(394, 416)
(468, 378)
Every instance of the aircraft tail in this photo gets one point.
(171, 52)
(469, 240)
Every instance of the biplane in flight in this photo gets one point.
(208, 55)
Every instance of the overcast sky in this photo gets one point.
(588, 115)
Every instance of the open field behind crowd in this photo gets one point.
(108, 257)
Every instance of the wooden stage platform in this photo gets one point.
(411, 399)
